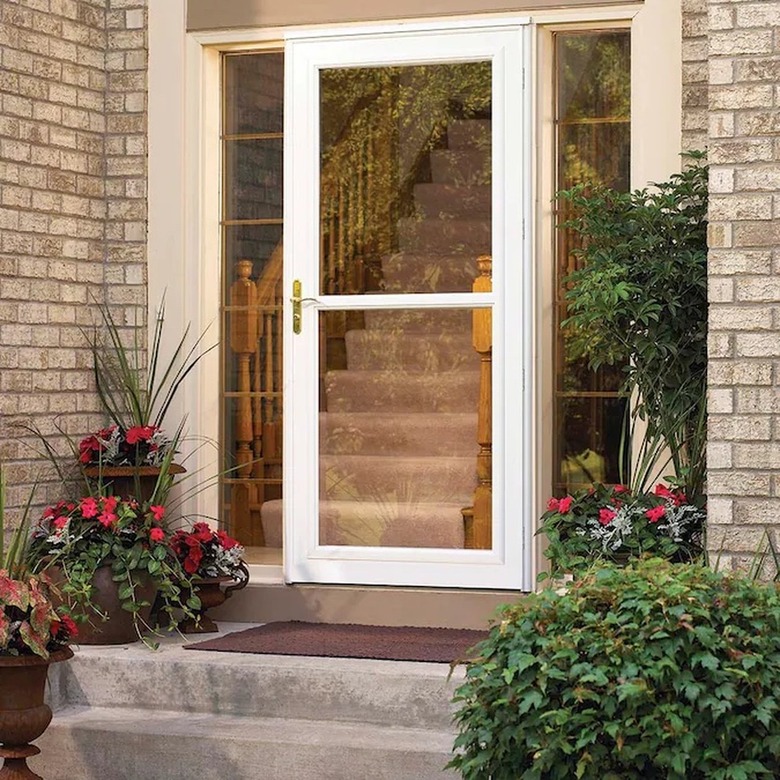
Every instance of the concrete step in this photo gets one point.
(435, 200)
(371, 523)
(469, 133)
(134, 744)
(457, 235)
(465, 167)
(402, 391)
(410, 351)
(355, 433)
(265, 602)
(414, 695)
(429, 272)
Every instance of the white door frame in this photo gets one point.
(509, 563)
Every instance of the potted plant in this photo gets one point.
(112, 561)
(136, 395)
(611, 523)
(212, 559)
(638, 299)
(32, 636)
(655, 670)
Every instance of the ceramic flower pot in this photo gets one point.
(118, 628)
(212, 594)
(23, 714)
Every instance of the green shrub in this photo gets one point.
(656, 670)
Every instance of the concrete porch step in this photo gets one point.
(89, 743)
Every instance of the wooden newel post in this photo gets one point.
(478, 519)
(243, 342)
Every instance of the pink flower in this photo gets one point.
(552, 505)
(564, 505)
(157, 534)
(109, 504)
(60, 522)
(107, 519)
(158, 512)
(655, 514)
(606, 516)
(620, 489)
(89, 507)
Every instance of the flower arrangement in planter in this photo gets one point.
(32, 636)
(212, 559)
(612, 523)
(655, 670)
(112, 560)
(139, 445)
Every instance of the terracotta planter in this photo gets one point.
(119, 628)
(211, 595)
(23, 714)
(136, 481)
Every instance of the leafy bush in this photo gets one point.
(656, 670)
(639, 298)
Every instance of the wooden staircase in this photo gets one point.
(407, 418)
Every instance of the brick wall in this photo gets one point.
(72, 208)
(744, 268)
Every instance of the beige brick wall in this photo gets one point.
(72, 208)
(744, 269)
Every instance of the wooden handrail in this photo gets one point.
(478, 519)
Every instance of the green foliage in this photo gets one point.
(132, 393)
(649, 671)
(611, 523)
(640, 300)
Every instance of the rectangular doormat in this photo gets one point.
(390, 643)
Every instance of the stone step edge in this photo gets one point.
(251, 729)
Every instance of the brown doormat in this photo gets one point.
(390, 643)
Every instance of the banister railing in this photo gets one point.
(478, 518)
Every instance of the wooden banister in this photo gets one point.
(478, 519)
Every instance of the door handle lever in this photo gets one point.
(297, 302)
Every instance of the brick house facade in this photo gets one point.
(73, 216)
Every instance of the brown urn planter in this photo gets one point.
(23, 714)
(119, 628)
(211, 594)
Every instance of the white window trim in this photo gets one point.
(184, 154)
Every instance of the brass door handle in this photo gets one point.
(297, 303)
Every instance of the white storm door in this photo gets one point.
(407, 361)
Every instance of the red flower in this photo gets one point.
(109, 504)
(606, 516)
(60, 522)
(228, 542)
(55, 626)
(620, 489)
(202, 532)
(663, 491)
(157, 535)
(564, 505)
(107, 519)
(656, 513)
(139, 433)
(70, 626)
(552, 504)
(89, 507)
(158, 512)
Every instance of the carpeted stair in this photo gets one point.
(398, 437)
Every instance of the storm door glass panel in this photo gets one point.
(251, 312)
(405, 174)
(400, 428)
(593, 143)
(405, 209)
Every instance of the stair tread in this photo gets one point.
(251, 728)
